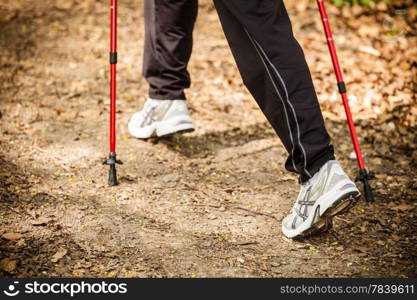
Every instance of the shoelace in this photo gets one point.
(147, 111)
(304, 202)
(149, 107)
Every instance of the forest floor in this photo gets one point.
(207, 203)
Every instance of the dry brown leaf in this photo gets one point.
(40, 221)
(65, 5)
(59, 254)
(69, 115)
(403, 207)
(91, 114)
(11, 236)
(361, 249)
(8, 265)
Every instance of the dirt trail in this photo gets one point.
(206, 204)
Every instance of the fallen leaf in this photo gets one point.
(59, 254)
(91, 114)
(11, 236)
(40, 221)
(65, 5)
(8, 265)
(245, 243)
(361, 249)
(403, 207)
(70, 115)
(287, 178)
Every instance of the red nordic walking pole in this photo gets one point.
(112, 160)
(363, 176)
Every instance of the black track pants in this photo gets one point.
(169, 28)
(270, 60)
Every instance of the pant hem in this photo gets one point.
(316, 166)
(170, 96)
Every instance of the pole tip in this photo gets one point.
(113, 176)
(364, 176)
(369, 196)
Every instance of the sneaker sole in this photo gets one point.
(157, 132)
(325, 221)
(183, 131)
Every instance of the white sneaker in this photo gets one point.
(160, 118)
(330, 192)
